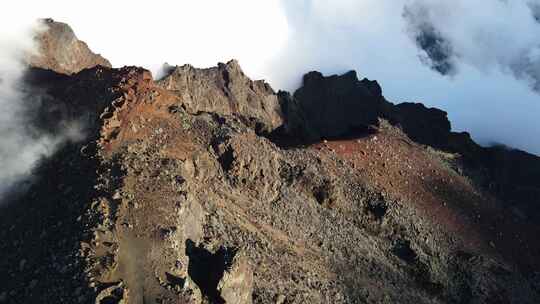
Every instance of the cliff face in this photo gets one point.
(334, 106)
(207, 187)
(225, 90)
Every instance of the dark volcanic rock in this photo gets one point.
(514, 175)
(338, 106)
(62, 52)
(341, 106)
(333, 106)
(225, 90)
(429, 126)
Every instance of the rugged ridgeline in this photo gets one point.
(60, 50)
(207, 187)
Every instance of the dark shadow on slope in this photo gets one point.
(42, 226)
(41, 230)
(226, 159)
(282, 139)
(206, 268)
(507, 227)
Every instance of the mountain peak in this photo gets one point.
(61, 51)
(225, 90)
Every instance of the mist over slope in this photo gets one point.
(31, 127)
(20, 146)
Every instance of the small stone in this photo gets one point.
(33, 284)
(117, 196)
(280, 299)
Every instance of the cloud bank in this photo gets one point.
(19, 149)
(503, 36)
(478, 60)
(22, 143)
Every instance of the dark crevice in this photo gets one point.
(323, 193)
(174, 280)
(206, 268)
(402, 249)
(226, 159)
(378, 209)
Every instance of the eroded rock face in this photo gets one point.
(341, 106)
(61, 51)
(226, 90)
(334, 106)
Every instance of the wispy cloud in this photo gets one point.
(22, 143)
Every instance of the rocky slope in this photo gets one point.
(207, 187)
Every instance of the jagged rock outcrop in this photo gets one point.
(59, 50)
(429, 126)
(338, 106)
(225, 90)
(333, 106)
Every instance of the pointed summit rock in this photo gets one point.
(225, 90)
(61, 51)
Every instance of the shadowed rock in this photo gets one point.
(333, 106)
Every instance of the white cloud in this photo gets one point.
(200, 32)
(486, 98)
(18, 149)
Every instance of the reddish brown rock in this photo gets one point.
(61, 51)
